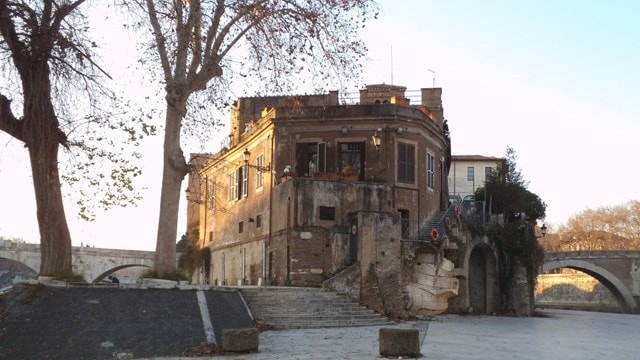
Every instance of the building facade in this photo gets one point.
(469, 172)
(309, 187)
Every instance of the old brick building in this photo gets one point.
(309, 187)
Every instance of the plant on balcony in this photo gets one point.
(349, 170)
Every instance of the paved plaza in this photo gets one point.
(562, 335)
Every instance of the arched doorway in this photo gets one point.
(483, 294)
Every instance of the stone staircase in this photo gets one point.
(297, 307)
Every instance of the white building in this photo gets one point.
(468, 173)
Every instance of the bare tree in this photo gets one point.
(197, 43)
(51, 64)
(605, 228)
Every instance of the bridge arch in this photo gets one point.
(605, 277)
(18, 266)
(114, 269)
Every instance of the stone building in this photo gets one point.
(310, 191)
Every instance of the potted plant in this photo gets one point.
(349, 172)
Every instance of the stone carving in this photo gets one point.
(434, 285)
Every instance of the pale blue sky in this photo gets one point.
(555, 80)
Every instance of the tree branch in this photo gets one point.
(8, 31)
(8, 122)
(160, 41)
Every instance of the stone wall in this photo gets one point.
(380, 262)
(226, 264)
(574, 291)
(346, 282)
(310, 256)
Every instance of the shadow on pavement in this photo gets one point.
(41, 322)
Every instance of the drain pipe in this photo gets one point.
(264, 260)
(243, 251)
(224, 279)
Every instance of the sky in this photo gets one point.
(555, 80)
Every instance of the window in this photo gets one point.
(258, 221)
(351, 158)
(211, 193)
(470, 173)
(431, 169)
(406, 163)
(327, 213)
(241, 227)
(404, 222)
(238, 183)
(259, 174)
(233, 184)
(310, 159)
(244, 172)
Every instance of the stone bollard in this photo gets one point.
(399, 342)
(240, 340)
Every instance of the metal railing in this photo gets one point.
(437, 229)
(353, 98)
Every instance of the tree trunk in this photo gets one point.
(174, 170)
(55, 239)
(43, 137)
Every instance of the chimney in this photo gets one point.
(432, 99)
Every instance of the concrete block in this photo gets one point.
(159, 283)
(399, 342)
(240, 340)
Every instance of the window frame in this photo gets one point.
(471, 173)
(243, 175)
(232, 194)
(408, 164)
(259, 174)
(431, 170)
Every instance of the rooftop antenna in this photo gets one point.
(434, 77)
(391, 64)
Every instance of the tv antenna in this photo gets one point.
(391, 54)
(434, 77)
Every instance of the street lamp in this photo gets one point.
(375, 139)
(246, 154)
(543, 230)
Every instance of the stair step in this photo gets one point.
(290, 307)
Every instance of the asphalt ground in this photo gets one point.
(50, 323)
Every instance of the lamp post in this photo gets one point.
(543, 231)
(246, 154)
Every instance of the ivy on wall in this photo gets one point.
(515, 245)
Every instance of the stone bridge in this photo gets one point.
(93, 263)
(618, 271)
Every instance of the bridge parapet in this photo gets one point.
(597, 254)
(10, 245)
(93, 263)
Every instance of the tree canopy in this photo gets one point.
(605, 228)
(53, 99)
(513, 239)
(506, 193)
(201, 47)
